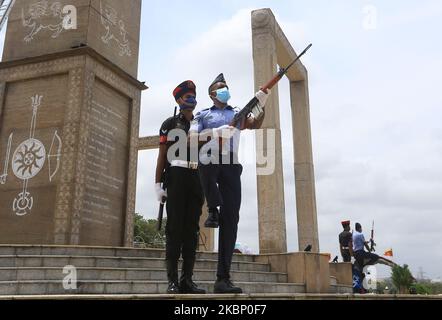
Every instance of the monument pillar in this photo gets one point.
(304, 173)
(270, 49)
(69, 120)
(271, 207)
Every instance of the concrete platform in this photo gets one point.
(37, 271)
(252, 296)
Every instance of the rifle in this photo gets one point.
(372, 243)
(163, 200)
(269, 85)
(160, 214)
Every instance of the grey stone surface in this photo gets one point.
(103, 251)
(271, 48)
(111, 27)
(85, 273)
(116, 262)
(250, 296)
(130, 287)
(76, 115)
(39, 270)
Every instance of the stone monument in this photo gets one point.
(270, 49)
(69, 119)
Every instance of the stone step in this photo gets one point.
(46, 250)
(116, 262)
(131, 287)
(129, 274)
(340, 289)
(241, 297)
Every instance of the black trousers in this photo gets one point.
(184, 205)
(364, 258)
(222, 187)
(346, 255)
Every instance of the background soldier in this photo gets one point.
(184, 194)
(345, 242)
(362, 257)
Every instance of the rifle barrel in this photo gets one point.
(299, 57)
(268, 86)
(283, 71)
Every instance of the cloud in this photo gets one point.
(425, 11)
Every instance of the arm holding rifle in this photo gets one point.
(160, 178)
(253, 122)
(161, 165)
(366, 245)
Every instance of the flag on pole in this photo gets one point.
(388, 253)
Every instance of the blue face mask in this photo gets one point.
(189, 103)
(223, 95)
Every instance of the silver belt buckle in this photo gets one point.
(193, 165)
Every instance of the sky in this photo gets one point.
(375, 108)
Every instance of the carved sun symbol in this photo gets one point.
(28, 159)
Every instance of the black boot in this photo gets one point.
(186, 283)
(173, 287)
(190, 287)
(212, 219)
(172, 276)
(226, 286)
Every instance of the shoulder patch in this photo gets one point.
(202, 113)
(168, 124)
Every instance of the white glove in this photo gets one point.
(262, 97)
(160, 192)
(225, 132)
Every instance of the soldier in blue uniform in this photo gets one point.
(220, 172)
(184, 193)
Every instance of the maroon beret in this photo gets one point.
(183, 88)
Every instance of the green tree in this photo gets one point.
(146, 233)
(402, 278)
(422, 288)
(425, 286)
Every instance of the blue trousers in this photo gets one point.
(222, 187)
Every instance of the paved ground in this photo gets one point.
(228, 297)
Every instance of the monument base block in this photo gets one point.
(311, 269)
(68, 150)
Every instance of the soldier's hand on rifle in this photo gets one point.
(160, 192)
(262, 97)
(225, 132)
